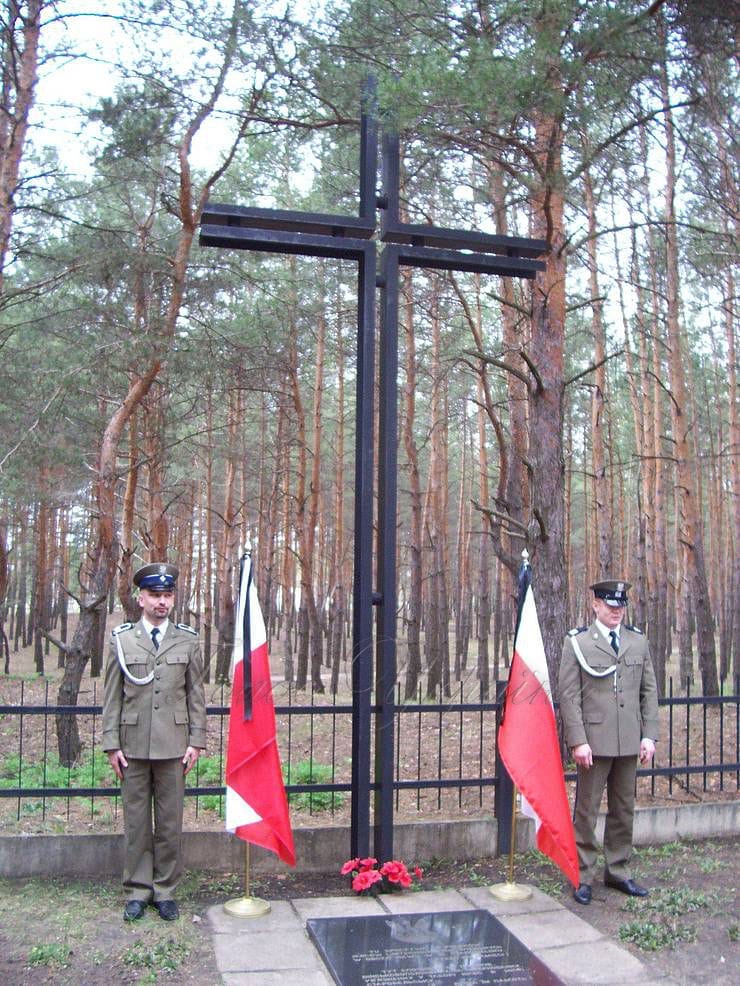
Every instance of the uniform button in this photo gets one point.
(156, 706)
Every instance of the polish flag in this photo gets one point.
(256, 805)
(528, 739)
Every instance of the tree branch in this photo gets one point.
(594, 366)
(493, 361)
(64, 648)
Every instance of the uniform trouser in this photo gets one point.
(153, 857)
(618, 775)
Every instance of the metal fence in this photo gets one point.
(445, 757)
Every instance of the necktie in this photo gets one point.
(155, 637)
(615, 641)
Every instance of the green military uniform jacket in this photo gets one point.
(615, 712)
(160, 719)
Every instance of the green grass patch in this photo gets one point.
(664, 851)
(652, 936)
(52, 954)
(311, 772)
(90, 771)
(659, 927)
(671, 902)
(710, 865)
(163, 956)
(208, 772)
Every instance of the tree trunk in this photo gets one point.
(229, 544)
(483, 589)
(21, 30)
(690, 526)
(41, 579)
(547, 349)
(99, 571)
(124, 582)
(414, 548)
(601, 507)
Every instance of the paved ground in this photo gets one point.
(275, 949)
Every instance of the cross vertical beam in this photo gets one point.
(362, 631)
(385, 686)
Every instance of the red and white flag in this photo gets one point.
(256, 805)
(528, 740)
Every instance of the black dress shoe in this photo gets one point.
(583, 894)
(134, 910)
(168, 909)
(628, 887)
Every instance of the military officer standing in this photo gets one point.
(154, 729)
(609, 706)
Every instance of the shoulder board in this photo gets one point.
(636, 630)
(576, 630)
(184, 626)
(121, 627)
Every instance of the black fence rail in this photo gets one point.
(445, 757)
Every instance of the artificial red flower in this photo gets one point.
(365, 880)
(394, 871)
(393, 874)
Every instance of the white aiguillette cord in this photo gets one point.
(586, 666)
(122, 661)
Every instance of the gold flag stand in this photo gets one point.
(511, 890)
(247, 906)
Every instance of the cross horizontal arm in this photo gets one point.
(218, 214)
(474, 263)
(279, 241)
(462, 239)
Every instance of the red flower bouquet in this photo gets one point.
(368, 877)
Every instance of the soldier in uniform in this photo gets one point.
(609, 706)
(154, 729)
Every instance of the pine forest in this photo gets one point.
(165, 401)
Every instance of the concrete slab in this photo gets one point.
(337, 907)
(550, 929)
(276, 979)
(537, 903)
(429, 900)
(282, 917)
(266, 951)
(594, 963)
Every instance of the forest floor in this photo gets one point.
(66, 931)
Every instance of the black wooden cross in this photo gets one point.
(358, 238)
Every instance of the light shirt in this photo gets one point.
(606, 632)
(150, 626)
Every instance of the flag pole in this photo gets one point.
(247, 906)
(510, 890)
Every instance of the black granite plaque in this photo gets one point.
(446, 948)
